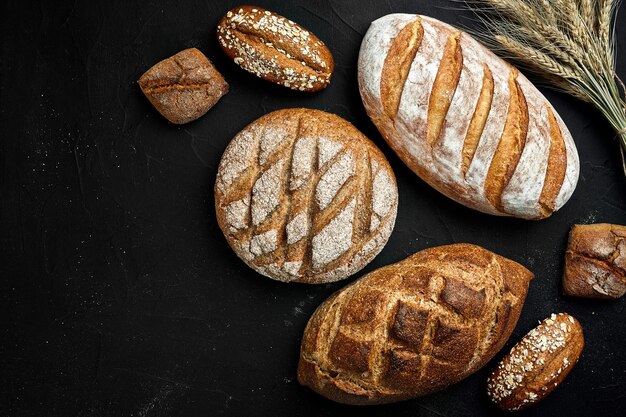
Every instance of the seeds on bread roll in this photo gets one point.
(276, 49)
(465, 121)
(537, 364)
(595, 261)
(414, 327)
(301, 195)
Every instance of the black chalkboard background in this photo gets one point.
(120, 295)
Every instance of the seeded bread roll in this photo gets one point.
(275, 48)
(537, 364)
(595, 261)
(465, 121)
(183, 87)
(414, 327)
(301, 195)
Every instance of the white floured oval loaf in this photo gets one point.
(301, 195)
(468, 123)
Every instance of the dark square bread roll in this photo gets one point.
(183, 87)
(595, 261)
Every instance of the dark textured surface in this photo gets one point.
(120, 296)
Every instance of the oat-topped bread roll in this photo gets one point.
(595, 261)
(465, 121)
(275, 48)
(537, 364)
(414, 327)
(302, 195)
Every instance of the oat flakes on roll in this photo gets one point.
(537, 364)
(276, 49)
(301, 195)
(414, 327)
(468, 123)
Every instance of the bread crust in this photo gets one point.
(465, 121)
(414, 327)
(275, 48)
(595, 261)
(537, 364)
(183, 87)
(301, 195)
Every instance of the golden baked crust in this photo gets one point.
(275, 48)
(301, 195)
(595, 261)
(464, 120)
(537, 364)
(183, 87)
(413, 327)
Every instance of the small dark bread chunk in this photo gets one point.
(537, 364)
(595, 261)
(183, 87)
(276, 49)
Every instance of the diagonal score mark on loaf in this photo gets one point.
(266, 203)
(288, 193)
(479, 119)
(331, 237)
(397, 65)
(444, 87)
(510, 146)
(464, 121)
(363, 220)
(557, 166)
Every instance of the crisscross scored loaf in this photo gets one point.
(465, 121)
(302, 195)
(414, 327)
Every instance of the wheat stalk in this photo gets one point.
(586, 9)
(569, 44)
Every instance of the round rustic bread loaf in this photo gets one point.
(301, 195)
(414, 327)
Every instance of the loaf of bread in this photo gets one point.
(465, 121)
(414, 327)
(595, 261)
(301, 195)
(537, 364)
(183, 87)
(275, 48)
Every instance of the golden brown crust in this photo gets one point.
(413, 327)
(183, 87)
(595, 261)
(510, 146)
(557, 166)
(537, 364)
(275, 48)
(397, 65)
(301, 195)
(477, 124)
(444, 87)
